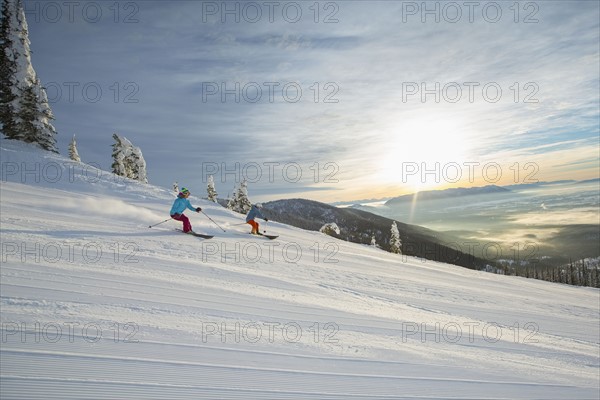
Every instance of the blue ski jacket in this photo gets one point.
(254, 213)
(180, 205)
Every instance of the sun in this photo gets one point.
(425, 153)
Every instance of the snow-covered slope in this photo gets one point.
(97, 305)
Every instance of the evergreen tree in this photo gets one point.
(210, 188)
(571, 279)
(330, 229)
(128, 160)
(373, 241)
(584, 281)
(395, 243)
(119, 155)
(231, 201)
(244, 201)
(176, 187)
(24, 110)
(73, 153)
(25, 122)
(240, 202)
(8, 67)
(138, 165)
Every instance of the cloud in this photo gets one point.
(361, 61)
(581, 216)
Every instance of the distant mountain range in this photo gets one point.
(359, 226)
(447, 193)
(461, 192)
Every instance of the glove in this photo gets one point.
(198, 209)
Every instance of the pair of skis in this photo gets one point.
(203, 236)
(270, 237)
(200, 235)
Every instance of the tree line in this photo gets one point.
(584, 272)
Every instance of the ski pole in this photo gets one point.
(266, 222)
(160, 223)
(213, 221)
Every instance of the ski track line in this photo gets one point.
(48, 388)
(209, 306)
(117, 279)
(141, 346)
(188, 374)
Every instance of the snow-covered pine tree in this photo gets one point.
(73, 153)
(373, 241)
(240, 202)
(210, 188)
(330, 228)
(138, 165)
(26, 128)
(24, 110)
(244, 201)
(176, 187)
(231, 201)
(395, 242)
(8, 67)
(119, 155)
(128, 160)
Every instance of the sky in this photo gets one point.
(331, 101)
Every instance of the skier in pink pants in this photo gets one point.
(179, 206)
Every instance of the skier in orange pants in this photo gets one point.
(252, 214)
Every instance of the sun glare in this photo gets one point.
(420, 150)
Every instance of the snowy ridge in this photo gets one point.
(96, 305)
